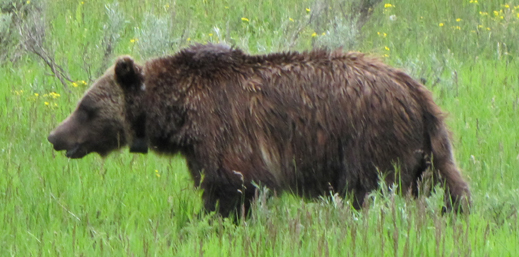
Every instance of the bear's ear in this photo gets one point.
(127, 73)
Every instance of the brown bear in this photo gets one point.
(306, 122)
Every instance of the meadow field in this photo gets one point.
(466, 52)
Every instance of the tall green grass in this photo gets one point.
(146, 205)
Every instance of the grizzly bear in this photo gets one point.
(306, 123)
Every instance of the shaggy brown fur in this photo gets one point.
(300, 122)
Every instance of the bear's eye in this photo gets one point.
(86, 112)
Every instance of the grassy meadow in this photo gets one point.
(467, 52)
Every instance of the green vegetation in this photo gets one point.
(145, 205)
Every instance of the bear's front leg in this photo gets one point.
(227, 199)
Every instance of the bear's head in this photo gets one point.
(107, 117)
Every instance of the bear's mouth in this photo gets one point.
(75, 152)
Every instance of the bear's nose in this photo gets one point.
(54, 140)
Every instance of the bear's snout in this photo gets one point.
(54, 139)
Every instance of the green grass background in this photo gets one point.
(145, 205)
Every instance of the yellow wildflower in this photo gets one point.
(324, 33)
(388, 5)
(133, 40)
(441, 24)
(314, 34)
(54, 95)
(157, 173)
(506, 6)
(245, 19)
(387, 48)
(496, 13)
(307, 10)
(36, 94)
(290, 19)
(458, 20)
(46, 103)
(74, 84)
(210, 34)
